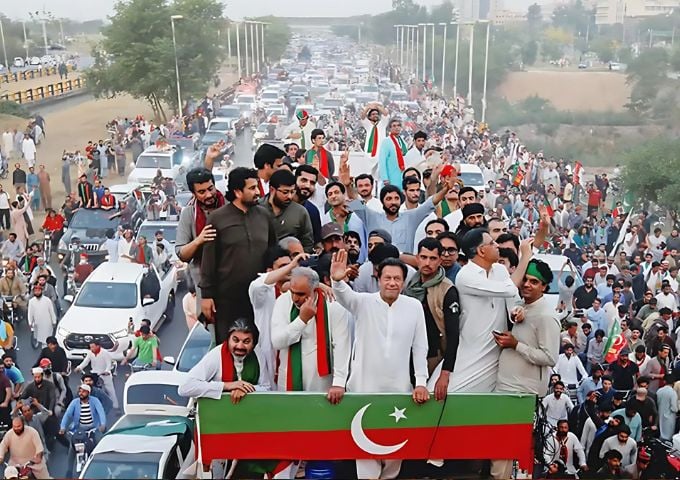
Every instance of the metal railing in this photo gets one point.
(35, 94)
(31, 74)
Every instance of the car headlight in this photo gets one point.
(121, 333)
(62, 245)
(63, 332)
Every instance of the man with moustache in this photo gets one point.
(243, 233)
(473, 217)
(306, 177)
(193, 230)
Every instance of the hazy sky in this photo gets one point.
(91, 9)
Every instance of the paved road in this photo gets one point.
(172, 335)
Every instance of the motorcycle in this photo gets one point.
(82, 442)
(24, 470)
(11, 313)
(47, 244)
(664, 459)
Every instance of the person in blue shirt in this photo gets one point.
(590, 384)
(597, 316)
(98, 393)
(84, 413)
(13, 373)
(632, 419)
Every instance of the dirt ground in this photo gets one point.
(70, 129)
(569, 90)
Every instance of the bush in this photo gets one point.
(13, 108)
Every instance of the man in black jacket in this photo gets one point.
(56, 354)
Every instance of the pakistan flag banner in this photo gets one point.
(306, 426)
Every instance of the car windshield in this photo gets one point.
(472, 179)
(183, 198)
(107, 295)
(123, 465)
(246, 99)
(228, 112)
(220, 126)
(154, 161)
(213, 137)
(195, 348)
(333, 102)
(155, 394)
(270, 95)
(398, 96)
(244, 107)
(93, 218)
(149, 232)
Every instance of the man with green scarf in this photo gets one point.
(442, 312)
(231, 367)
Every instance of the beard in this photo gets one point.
(391, 210)
(208, 203)
(304, 193)
(281, 204)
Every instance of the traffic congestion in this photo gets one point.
(332, 226)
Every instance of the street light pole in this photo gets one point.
(61, 30)
(486, 70)
(472, 42)
(229, 43)
(264, 59)
(238, 51)
(455, 67)
(245, 34)
(23, 23)
(257, 45)
(180, 110)
(424, 25)
(432, 54)
(252, 47)
(443, 57)
(4, 48)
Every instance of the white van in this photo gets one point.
(472, 176)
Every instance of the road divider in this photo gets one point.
(53, 90)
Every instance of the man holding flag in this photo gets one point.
(391, 157)
(318, 156)
(374, 119)
(313, 338)
(300, 132)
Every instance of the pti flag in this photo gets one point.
(548, 207)
(615, 343)
(517, 175)
(298, 425)
(578, 173)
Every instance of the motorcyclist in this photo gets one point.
(92, 379)
(61, 387)
(54, 225)
(56, 355)
(24, 446)
(83, 413)
(12, 286)
(70, 260)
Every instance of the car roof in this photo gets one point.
(120, 272)
(469, 168)
(222, 119)
(161, 224)
(124, 187)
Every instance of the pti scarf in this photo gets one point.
(200, 218)
(373, 141)
(400, 148)
(418, 289)
(251, 367)
(323, 347)
(323, 160)
(445, 208)
(345, 226)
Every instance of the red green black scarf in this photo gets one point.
(323, 346)
(251, 367)
(400, 148)
(373, 141)
(323, 160)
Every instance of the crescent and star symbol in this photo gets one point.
(368, 445)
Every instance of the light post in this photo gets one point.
(174, 46)
(23, 23)
(245, 34)
(424, 25)
(414, 54)
(443, 57)
(4, 49)
(401, 45)
(238, 51)
(486, 70)
(252, 47)
(262, 25)
(455, 67)
(432, 54)
(257, 45)
(472, 42)
(408, 48)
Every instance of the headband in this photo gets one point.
(532, 270)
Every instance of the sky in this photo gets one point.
(93, 9)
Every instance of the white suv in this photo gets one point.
(167, 159)
(111, 295)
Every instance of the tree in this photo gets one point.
(604, 48)
(652, 172)
(574, 17)
(530, 52)
(137, 55)
(534, 16)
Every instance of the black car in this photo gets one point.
(90, 226)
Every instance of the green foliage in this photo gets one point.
(574, 17)
(13, 108)
(530, 52)
(551, 50)
(534, 16)
(652, 172)
(604, 48)
(648, 74)
(137, 55)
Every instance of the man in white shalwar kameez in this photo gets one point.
(390, 328)
(263, 292)
(297, 315)
(29, 150)
(488, 296)
(41, 315)
(7, 143)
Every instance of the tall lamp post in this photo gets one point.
(424, 25)
(417, 50)
(4, 48)
(455, 67)
(245, 35)
(174, 46)
(472, 43)
(486, 70)
(238, 50)
(257, 45)
(262, 25)
(432, 53)
(443, 57)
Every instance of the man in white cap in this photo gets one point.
(84, 413)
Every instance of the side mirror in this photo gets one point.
(169, 360)
(147, 301)
(68, 298)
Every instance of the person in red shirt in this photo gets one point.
(594, 200)
(108, 201)
(54, 223)
(82, 270)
